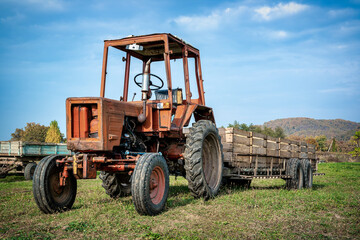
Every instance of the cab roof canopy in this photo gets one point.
(154, 46)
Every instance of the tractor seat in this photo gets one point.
(164, 94)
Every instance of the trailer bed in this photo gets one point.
(255, 155)
(28, 149)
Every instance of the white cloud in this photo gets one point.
(337, 90)
(341, 12)
(13, 19)
(222, 16)
(279, 34)
(280, 10)
(211, 21)
(199, 22)
(45, 5)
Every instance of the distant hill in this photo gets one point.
(338, 128)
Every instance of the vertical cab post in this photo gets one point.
(186, 74)
(126, 82)
(104, 67)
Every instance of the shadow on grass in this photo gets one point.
(318, 186)
(179, 196)
(13, 177)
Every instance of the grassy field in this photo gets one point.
(331, 210)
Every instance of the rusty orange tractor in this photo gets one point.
(137, 144)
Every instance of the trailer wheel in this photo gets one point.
(308, 173)
(203, 160)
(3, 173)
(150, 184)
(29, 171)
(295, 171)
(49, 195)
(116, 185)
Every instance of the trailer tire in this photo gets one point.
(48, 195)
(308, 173)
(295, 171)
(3, 174)
(115, 185)
(29, 170)
(204, 160)
(150, 184)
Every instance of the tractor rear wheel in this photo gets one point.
(116, 185)
(29, 171)
(295, 171)
(150, 184)
(308, 173)
(203, 160)
(49, 195)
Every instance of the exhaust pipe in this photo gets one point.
(145, 90)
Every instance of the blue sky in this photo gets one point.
(261, 60)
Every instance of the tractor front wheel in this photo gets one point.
(49, 195)
(150, 184)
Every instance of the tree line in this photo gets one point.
(35, 132)
(277, 133)
(321, 142)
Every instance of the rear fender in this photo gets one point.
(200, 112)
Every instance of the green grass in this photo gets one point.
(331, 210)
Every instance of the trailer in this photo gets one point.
(249, 155)
(21, 157)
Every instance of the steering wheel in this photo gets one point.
(157, 86)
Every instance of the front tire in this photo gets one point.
(48, 194)
(204, 160)
(29, 171)
(150, 184)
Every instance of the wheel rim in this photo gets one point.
(157, 185)
(60, 194)
(210, 160)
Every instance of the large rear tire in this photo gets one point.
(48, 194)
(204, 160)
(116, 185)
(308, 173)
(295, 171)
(150, 184)
(29, 171)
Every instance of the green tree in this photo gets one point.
(356, 140)
(334, 147)
(16, 136)
(53, 134)
(279, 132)
(33, 132)
(321, 143)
